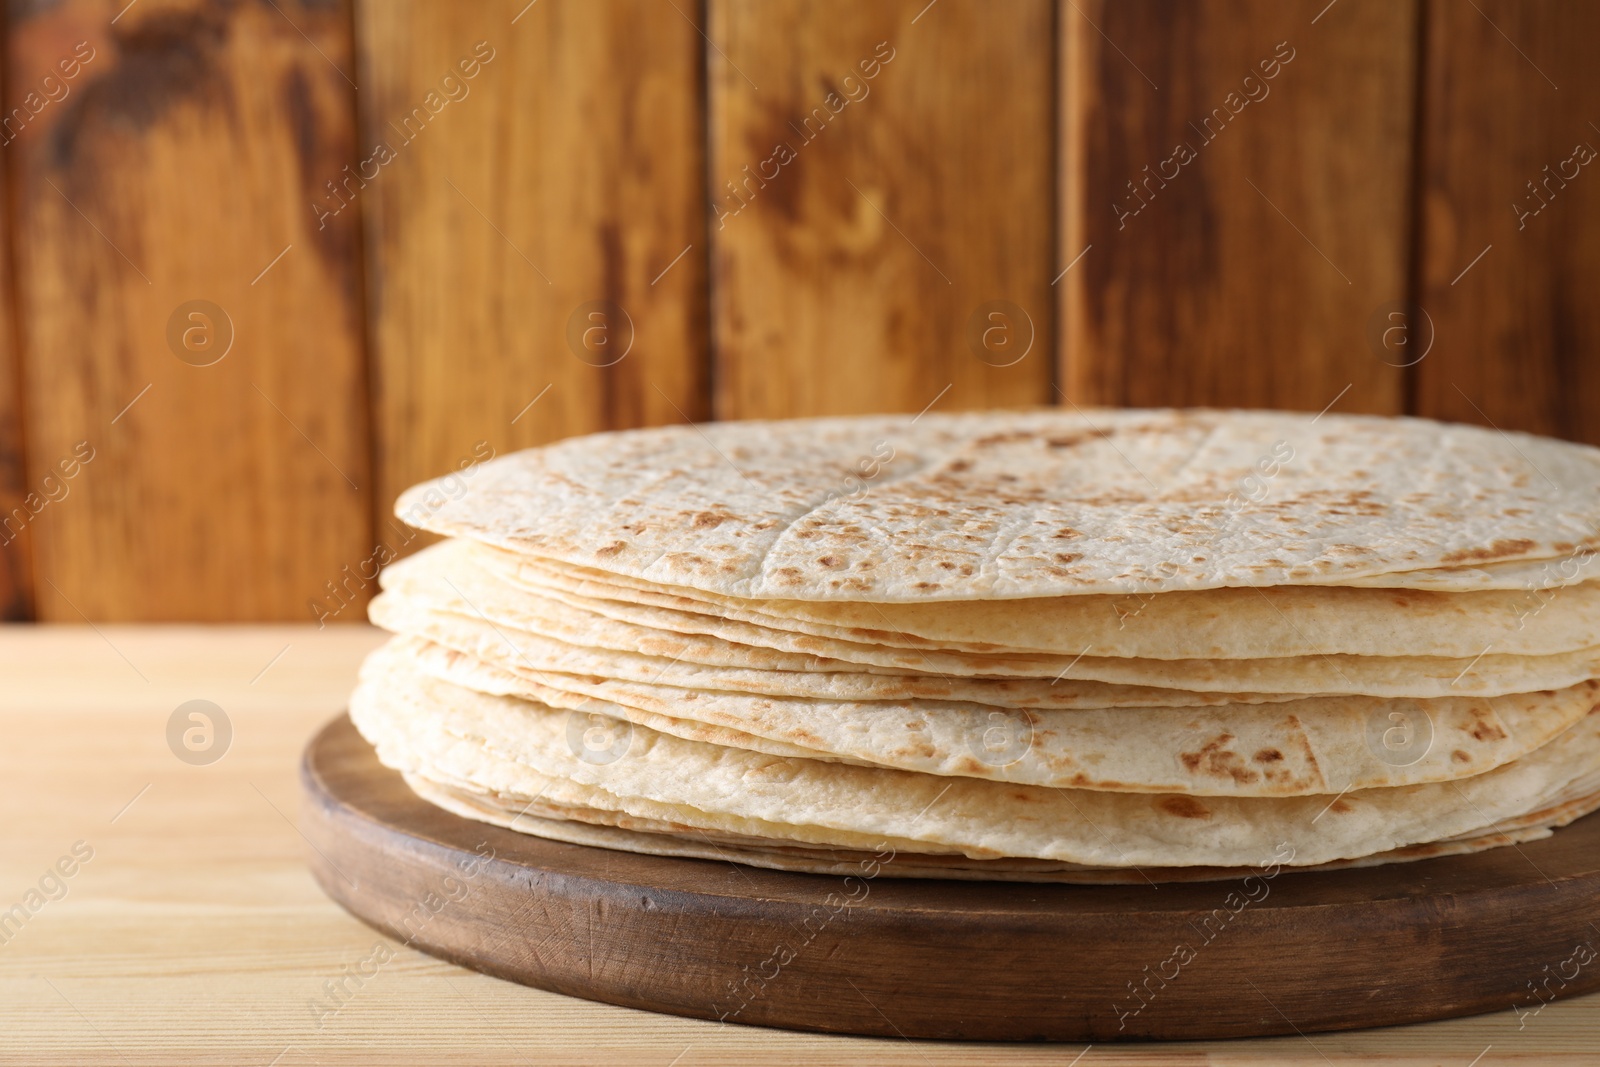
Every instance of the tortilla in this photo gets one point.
(1002, 505)
(1051, 645)
(664, 632)
(1274, 622)
(1316, 745)
(502, 645)
(587, 826)
(496, 744)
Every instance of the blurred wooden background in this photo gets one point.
(421, 230)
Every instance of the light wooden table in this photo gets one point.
(194, 933)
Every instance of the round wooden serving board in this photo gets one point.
(1502, 930)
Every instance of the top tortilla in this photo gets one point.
(1000, 505)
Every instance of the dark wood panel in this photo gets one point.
(1240, 176)
(560, 180)
(17, 506)
(1509, 240)
(180, 164)
(882, 201)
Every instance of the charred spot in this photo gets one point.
(1184, 807)
(1487, 731)
(1215, 758)
(1067, 557)
(1460, 757)
(708, 520)
(1268, 755)
(830, 561)
(610, 550)
(960, 466)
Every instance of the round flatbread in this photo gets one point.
(426, 726)
(1001, 505)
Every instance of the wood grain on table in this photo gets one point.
(195, 934)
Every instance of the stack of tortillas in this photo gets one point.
(1069, 646)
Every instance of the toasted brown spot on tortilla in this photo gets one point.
(1487, 731)
(1073, 439)
(1003, 438)
(1184, 807)
(1501, 549)
(1217, 759)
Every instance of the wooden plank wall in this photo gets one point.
(541, 239)
(1509, 241)
(1216, 155)
(437, 231)
(882, 186)
(178, 165)
(16, 540)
